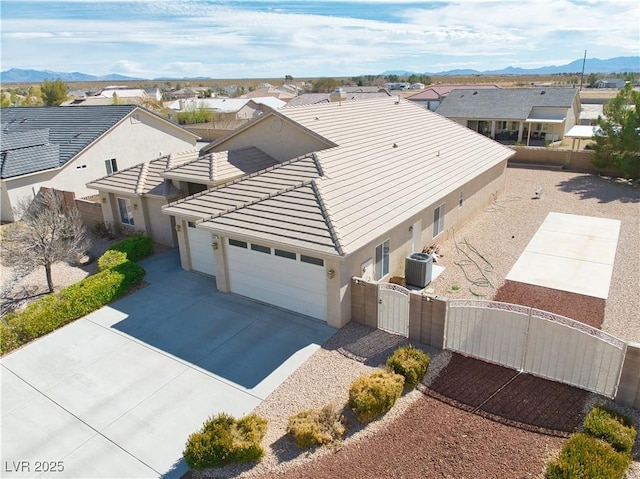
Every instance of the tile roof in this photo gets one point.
(393, 159)
(221, 166)
(436, 92)
(503, 103)
(70, 130)
(144, 178)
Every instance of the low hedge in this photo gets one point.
(314, 427)
(409, 362)
(611, 426)
(602, 451)
(53, 311)
(111, 259)
(372, 396)
(586, 457)
(225, 440)
(136, 247)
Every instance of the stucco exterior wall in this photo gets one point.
(276, 137)
(478, 193)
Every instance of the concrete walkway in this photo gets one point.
(117, 393)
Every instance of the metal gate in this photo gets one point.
(536, 342)
(393, 309)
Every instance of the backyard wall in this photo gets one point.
(629, 385)
(563, 159)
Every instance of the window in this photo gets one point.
(80, 167)
(126, 215)
(311, 260)
(382, 260)
(438, 220)
(260, 248)
(111, 166)
(239, 244)
(285, 254)
(461, 199)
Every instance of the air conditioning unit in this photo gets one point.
(417, 269)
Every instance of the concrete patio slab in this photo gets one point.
(570, 253)
(117, 393)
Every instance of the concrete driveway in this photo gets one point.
(116, 394)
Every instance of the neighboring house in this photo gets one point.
(240, 108)
(133, 198)
(610, 83)
(117, 95)
(433, 95)
(356, 187)
(269, 91)
(65, 148)
(348, 95)
(513, 115)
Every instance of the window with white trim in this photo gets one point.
(382, 260)
(126, 211)
(111, 165)
(438, 220)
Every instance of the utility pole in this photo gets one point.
(582, 75)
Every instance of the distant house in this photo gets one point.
(65, 148)
(239, 108)
(354, 188)
(610, 83)
(344, 94)
(514, 115)
(432, 95)
(284, 94)
(117, 95)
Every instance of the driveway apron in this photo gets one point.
(117, 393)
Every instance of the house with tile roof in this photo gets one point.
(531, 116)
(134, 197)
(355, 188)
(65, 148)
(431, 96)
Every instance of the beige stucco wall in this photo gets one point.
(130, 142)
(478, 193)
(276, 137)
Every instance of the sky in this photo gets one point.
(307, 39)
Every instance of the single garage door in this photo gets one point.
(201, 250)
(275, 276)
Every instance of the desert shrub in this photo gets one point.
(586, 457)
(136, 247)
(49, 313)
(225, 440)
(611, 426)
(372, 396)
(110, 259)
(315, 427)
(409, 362)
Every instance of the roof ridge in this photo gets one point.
(254, 201)
(333, 231)
(142, 178)
(213, 166)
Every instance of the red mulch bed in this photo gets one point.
(517, 424)
(586, 309)
(434, 440)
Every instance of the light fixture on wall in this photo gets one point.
(214, 245)
(331, 273)
(178, 228)
(104, 200)
(135, 206)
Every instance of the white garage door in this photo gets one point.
(201, 250)
(283, 278)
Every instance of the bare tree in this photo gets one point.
(47, 232)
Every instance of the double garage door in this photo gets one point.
(283, 278)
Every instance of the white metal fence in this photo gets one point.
(536, 342)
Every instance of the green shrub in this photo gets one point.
(110, 259)
(372, 396)
(586, 457)
(136, 247)
(225, 440)
(49, 313)
(611, 426)
(409, 362)
(315, 427)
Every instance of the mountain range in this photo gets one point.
(592, 65)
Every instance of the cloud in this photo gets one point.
(331, 38)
